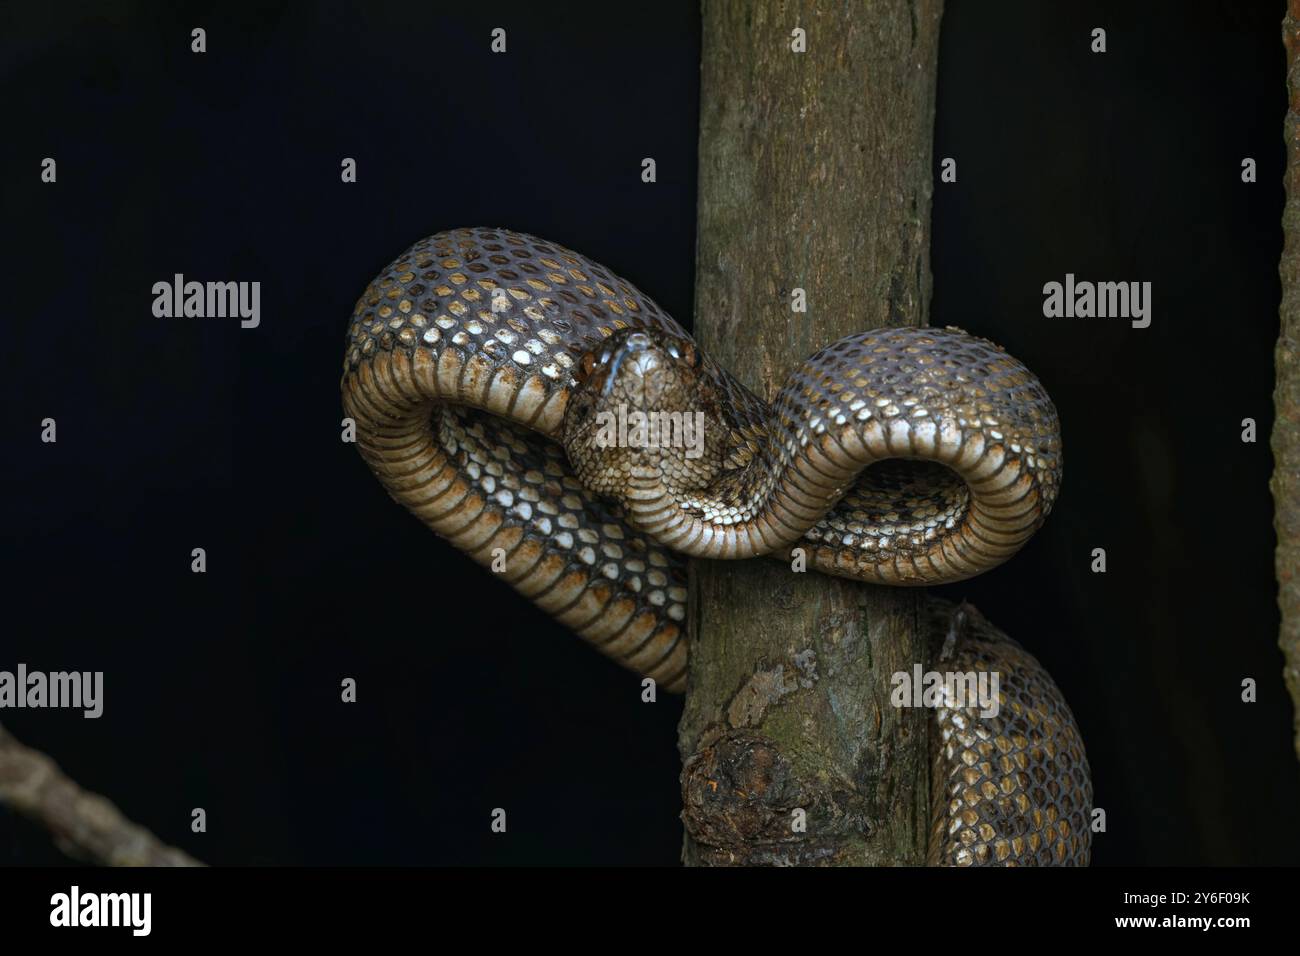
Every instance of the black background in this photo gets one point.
(222, 689)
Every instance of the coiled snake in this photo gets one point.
(552, 422)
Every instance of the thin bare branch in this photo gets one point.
(84, 824)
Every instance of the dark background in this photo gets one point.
(222, 689)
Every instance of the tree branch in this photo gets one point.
(1286, 394)
(815, 173)
(83, 824)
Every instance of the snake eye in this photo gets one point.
(691, 354)
(586, 366)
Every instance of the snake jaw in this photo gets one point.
(641, 407)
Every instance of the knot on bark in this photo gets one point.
(741, 796)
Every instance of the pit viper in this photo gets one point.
(556, 425)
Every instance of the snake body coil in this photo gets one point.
(484, 369)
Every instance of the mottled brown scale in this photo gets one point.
(460, 360)
(1011, 789)
(899, 456)
(477, 362)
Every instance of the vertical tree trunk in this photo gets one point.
(1286, 395)
(815, 173)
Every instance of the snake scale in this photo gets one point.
(484, 369)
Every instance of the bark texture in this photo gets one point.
(1286, 395)
(815, 173)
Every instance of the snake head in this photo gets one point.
(644, 401)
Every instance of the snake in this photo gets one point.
(554, 424)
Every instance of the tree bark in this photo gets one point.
(1286, 395)
(814, 173)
